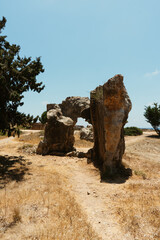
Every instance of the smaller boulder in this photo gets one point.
(86, 133)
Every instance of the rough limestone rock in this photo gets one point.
(86, 133)
(86, 114)
(59, 133)
(73, 107)
(109, 106)
(59, 130)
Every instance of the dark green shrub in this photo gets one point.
(152, 115)
(2, 133)
(132, 131)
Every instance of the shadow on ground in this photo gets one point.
(153, 136)
(12, 168)
(121, 176)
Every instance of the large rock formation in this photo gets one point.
(109, 108)
(59, 130)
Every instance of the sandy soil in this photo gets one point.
(100, 200)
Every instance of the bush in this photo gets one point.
(152, 115)
(132, 131)
(2, 133)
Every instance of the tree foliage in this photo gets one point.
(43, 118)
(152, 114)
(132, 131)
(17, 75)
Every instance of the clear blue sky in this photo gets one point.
(85, 42)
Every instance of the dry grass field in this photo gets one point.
(139, 204)
(35, 202)
(41, 208)
(50, 197)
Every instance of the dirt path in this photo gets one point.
(6, 140)
(95, 198)
(133, 139)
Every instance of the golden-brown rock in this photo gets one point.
(110, 105)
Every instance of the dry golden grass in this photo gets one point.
(32, 138)
(139, 211)
(29, 142)
(41, 207)
(2, 137)
(138, 205)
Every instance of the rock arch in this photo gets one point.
(107, 111)
(59, 129)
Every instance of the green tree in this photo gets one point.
(25, 120)
(152, 114)
(43, 118)
(17, 75)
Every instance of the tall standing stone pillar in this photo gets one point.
(109, 106)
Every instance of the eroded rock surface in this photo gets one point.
(59, 130)
(110, 105)
(73, 107)
(59, 133)
(107, 110)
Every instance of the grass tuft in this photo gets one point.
(16, 215)
(140, 173)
